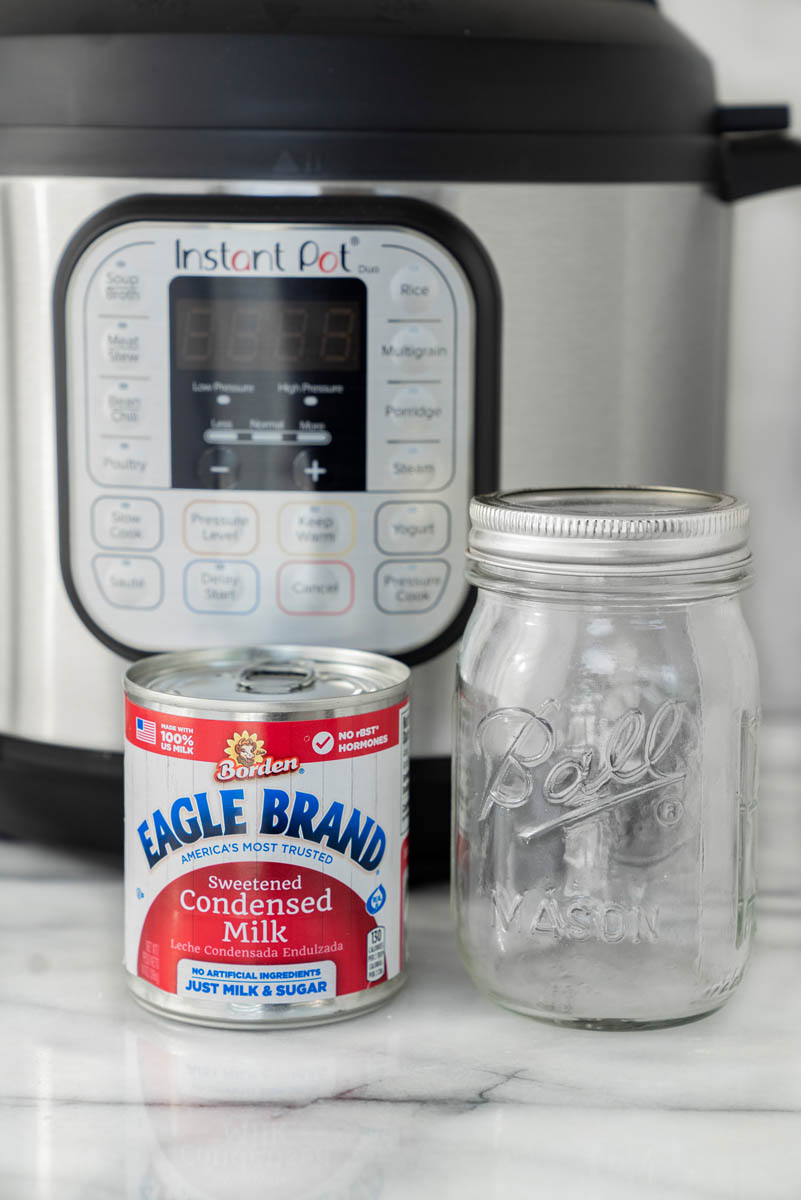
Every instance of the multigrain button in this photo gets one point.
(212, 526)
(414, 288)
(316, 528)
(121, 522)
(315, 588)
(422, 528)
(410, 587)
(414, 350)
(221, 587)
(129, 582)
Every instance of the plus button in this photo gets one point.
(314, 471)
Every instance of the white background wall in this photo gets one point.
(755, 46)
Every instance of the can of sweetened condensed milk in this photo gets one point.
(266, 833)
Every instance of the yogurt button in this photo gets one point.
(126, 523)
(401, 528)
(415, 287)
(129, 582)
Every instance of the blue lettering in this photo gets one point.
(231, 811)
(273, 813)
(191, 831)
(305, 807)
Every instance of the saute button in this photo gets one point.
(221, 587)
(410, 587)
(414, 351)
(414, 288)
(316, 528)
(315, 588)
(424, 528)
(129, 582)
(125, 523)
(214, 525)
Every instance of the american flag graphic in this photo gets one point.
(146, 731)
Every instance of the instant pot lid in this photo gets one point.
(499, 66)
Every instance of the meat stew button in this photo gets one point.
(410, 587)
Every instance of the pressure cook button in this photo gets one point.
(218, 467)
(316, 528)
(129, 582)
(424, 528)
(221, 587)
(410, 587)
(211, 526)
(122, 522)
(315, 588)
(123, 344)
(414, 351)
(414, 288)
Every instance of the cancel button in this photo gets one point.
(410, 587)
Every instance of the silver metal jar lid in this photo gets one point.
(270, 679)
(608, 530)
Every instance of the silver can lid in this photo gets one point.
(608, 529)
(270, 679)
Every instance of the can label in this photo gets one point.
(265, 862)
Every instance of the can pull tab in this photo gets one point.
(271, 678)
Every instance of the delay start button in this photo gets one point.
(410, 587)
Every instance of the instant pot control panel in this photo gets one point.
(267, 432)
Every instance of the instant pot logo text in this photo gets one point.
(311, 259)
(197, 818)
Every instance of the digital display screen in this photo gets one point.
(267, 334)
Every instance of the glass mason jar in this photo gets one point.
(606, 755)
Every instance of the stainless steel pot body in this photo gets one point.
(615, 308)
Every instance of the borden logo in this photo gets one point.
(246, 759)
(311, 257)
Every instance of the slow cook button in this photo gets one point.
(122, 344)
(315, 588)
(401, 528)
(316, 528)
(211, 526)
(414, 288)
(414, 351)
(129, 582)
(221, 587)
(122, 522)
(410, 587)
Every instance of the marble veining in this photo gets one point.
(438, 1094)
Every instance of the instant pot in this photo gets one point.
(284, 285)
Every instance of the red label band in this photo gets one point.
(265, 744)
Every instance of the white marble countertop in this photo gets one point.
(437, 1094)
